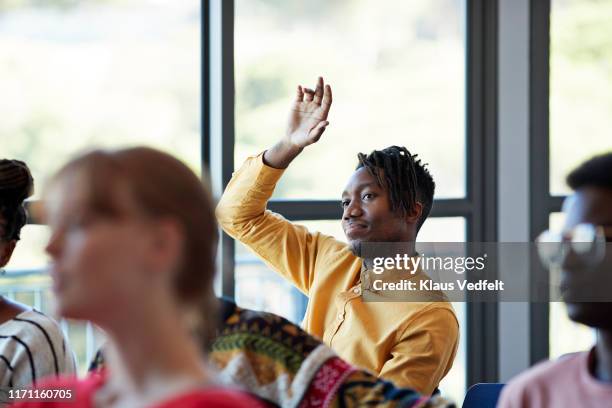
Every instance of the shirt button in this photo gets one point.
(357, 291)
(340, 316)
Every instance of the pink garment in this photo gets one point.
(565, 382)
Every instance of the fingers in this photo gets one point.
(300, 94)
(308, 94)
(318, 96)
(322, 95)
(327, 98)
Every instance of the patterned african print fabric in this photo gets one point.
(282, 364)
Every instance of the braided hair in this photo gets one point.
(16, 184)
(405, 177)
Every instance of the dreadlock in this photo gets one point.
(407, 180)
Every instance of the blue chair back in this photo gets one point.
(483, 395)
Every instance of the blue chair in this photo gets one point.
(483, 395)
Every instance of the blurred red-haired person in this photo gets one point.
(133, 246)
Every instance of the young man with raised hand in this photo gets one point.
(584, 254)
(387, 199)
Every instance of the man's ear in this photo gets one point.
(6, 250)
(414, 215)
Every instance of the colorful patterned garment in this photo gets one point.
(283, 365)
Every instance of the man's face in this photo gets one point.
(367, 214)
(591, 205)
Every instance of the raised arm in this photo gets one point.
(307, 122)
(287, 248)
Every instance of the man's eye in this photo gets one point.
(368, 196)
(344, 203)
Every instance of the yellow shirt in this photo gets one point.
(412, 344)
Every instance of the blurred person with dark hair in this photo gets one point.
(32, 345)
(584, 254)
(387, 199)
(133, 248)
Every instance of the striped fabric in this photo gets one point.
(32, 347)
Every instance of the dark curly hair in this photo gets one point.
(406, 179)
(595, 172)
(16, 184)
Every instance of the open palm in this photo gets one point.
(308, 116)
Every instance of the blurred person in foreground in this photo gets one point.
(32, 345)
(133, 246)
(387, 199)
(584, 254)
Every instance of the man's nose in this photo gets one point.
(352, 210)
(55, 244)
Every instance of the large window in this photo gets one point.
(382, 97)
(398, 78)
(580, 112)
(82, 74)
(580, 84)
(77, 75)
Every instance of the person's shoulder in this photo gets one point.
(333, 255)
(333, 245)
(545, 375)
(34, 318)
(440, 311)
(214, 398)
(38, 330)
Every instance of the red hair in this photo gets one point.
(160, 186)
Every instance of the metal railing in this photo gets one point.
(32, 287)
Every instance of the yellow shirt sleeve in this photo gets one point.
(287, 248)
(425, 351)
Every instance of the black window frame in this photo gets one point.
(478, 207)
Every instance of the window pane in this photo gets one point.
(29, 252)
(84, 74)
(398, 79)
(443, 229)
(260, 288)
(580, 83)
(76, 75)
(565, 336)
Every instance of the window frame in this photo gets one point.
(542, 202)
(478, 207)
(218, 140)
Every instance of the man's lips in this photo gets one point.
(354, 228)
